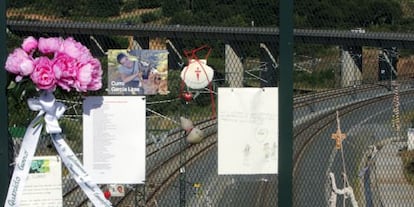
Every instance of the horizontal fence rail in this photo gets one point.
(251, 34)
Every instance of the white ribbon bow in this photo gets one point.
(53, 110)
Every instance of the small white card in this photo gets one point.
(43, 187)
(117, 190)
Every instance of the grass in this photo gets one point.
(407, 157)
(131, 17)
(408, 163)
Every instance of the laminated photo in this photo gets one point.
(137, 72)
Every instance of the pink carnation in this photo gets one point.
(29, 44)
(84, 77)
(19, 63)
(65, 69)
(43, 76)
(49, 45)
(76, 50)
(71, 64)
(96, 81)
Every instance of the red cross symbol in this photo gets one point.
(198, 71)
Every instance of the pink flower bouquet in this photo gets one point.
(54, 61)
(51, 62)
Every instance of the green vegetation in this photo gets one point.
(407, 157)
(374, 15)
(185, 12)
(317, 80)
(151, 16)
(348, 14)
(408, 163)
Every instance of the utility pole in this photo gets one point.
(396, 123)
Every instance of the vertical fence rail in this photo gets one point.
(4, 155)
(285, 104)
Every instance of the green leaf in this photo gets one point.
(11, 85)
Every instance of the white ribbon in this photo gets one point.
(46, 105)
(53, 110)
(78, 173)
(23, 162)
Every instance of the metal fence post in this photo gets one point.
(4, 155)
(285, 103)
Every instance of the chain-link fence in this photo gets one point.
(351, 128)
(352, 110)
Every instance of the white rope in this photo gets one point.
(162, 116)
(347, 190)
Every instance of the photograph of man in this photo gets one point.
(130, 72)
(120, 189)
(137, 72)
(117, 190)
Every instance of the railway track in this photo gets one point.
(161, 169)
(356, 92)
(305, 134)
(165, 160)
(264, 192)
(311, 99)
(167, 168)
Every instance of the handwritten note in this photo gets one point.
(247, 130)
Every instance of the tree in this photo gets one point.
(171, 7)
(261, 12)
(346, 14)
(102, 8)
(384, 12)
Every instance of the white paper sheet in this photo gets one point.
(410, 141)
(44, 184)
(114, 139)
(248, 130)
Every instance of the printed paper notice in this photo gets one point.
(43, 187)
(248, 130)
(114, 139)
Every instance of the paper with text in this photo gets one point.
(114, 138)
(44, 183)
(248, 130)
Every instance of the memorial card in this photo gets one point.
(43, 187)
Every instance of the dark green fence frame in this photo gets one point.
(285, 104)
(4, 155)
(286, 91)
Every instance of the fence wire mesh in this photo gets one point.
(352, 111)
